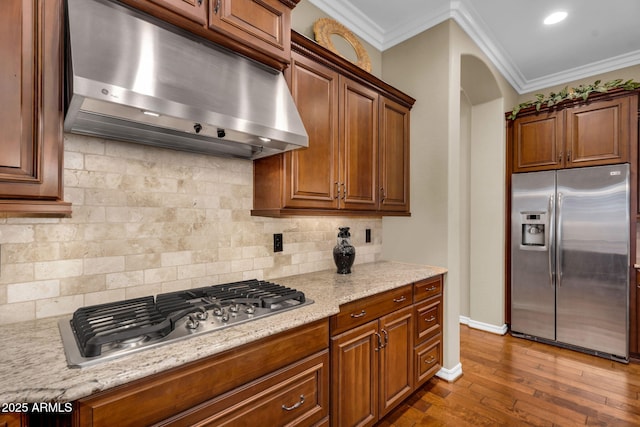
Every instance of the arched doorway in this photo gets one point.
(483, 198)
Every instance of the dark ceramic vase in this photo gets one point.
(344, 253)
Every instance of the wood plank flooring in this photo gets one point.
(509, 381)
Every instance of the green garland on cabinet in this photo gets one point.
(581, 91)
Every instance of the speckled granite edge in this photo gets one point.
(33, 367)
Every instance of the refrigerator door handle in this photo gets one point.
(558, 242)
(551, 238)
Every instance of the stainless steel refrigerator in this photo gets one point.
(570, 258)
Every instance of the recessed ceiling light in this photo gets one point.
(554, 18)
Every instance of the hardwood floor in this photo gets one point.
(508, 381)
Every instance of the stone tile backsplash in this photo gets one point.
(148, 220)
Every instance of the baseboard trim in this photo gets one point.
(450, 375)
(498, 330)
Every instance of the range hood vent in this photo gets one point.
(133, 78)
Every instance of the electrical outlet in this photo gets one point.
(277, 242)
(367, 235)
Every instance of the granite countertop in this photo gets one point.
(33, 367)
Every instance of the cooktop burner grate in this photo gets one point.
(103, 327)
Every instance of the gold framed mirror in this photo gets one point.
(325, 29)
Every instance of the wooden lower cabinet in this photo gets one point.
(11, 419)
(378, 364)
(428, 360)
(428, 316)
(372, 369)
(284, 369)
(295, 395)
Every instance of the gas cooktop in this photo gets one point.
(104, 332)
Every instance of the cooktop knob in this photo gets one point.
(192, 322)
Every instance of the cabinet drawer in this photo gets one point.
(427, 288)
(427, 358)
(428, 316)
(296, 395)
(364, 310)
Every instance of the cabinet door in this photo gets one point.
(598, 133)
(195, 10)
(354, 376)
(396, 359)
(394, 156)
(263, 24)
(312, 173)
(31, 108)
(359, 149)
(538, 142)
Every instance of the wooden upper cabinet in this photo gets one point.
(195, 10)
(598, 133)
(313, 171)
(578, 134)
(394, 156)
(264, 24)
(357, 162)
(538, 142)
(31, 135)
(258, 29)
(358, 146)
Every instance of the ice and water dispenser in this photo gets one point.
(534, 226)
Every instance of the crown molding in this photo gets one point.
(463, 13)
(353, 19)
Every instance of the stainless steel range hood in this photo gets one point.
(132, 78)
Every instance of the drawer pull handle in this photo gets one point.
(296, 406)
(401, 299)
(433, 288)
(430, 360)
(430, 319)
(361, 314)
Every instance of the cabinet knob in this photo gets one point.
(199, 2)
(217, 7)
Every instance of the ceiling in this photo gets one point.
(596, 37)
